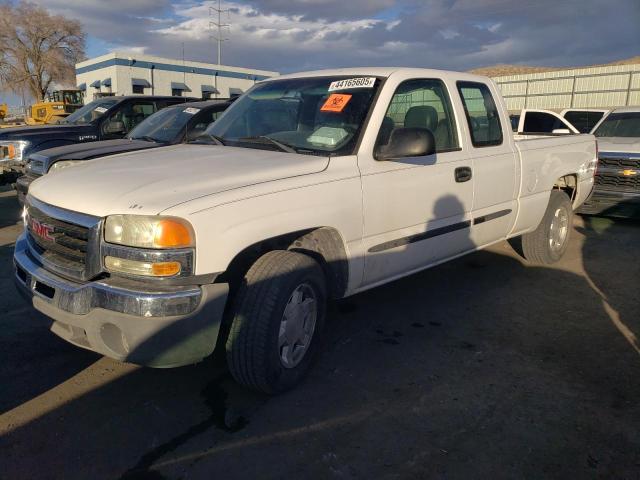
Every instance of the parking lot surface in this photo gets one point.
(484, 367)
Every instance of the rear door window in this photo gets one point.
(482, 114)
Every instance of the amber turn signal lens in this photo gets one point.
(172, 234)
(165, 269)
(147, 269)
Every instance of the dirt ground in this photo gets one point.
(485, 367)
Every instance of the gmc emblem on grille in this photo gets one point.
(42, 230)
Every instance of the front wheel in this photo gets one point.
(278, 316)
(547, 243)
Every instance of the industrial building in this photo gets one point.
(127, 73)
(590, 87)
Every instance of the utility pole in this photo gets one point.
(216, 13)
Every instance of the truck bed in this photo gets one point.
(551, 157)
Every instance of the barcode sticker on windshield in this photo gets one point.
(191, 110)
(100, 109)
(364, 82)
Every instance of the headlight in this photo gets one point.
(56, 167)
(149, 231)
(13, 151)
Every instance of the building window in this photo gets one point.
(138, 89)
(176, 92)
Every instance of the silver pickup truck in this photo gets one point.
(617, 180)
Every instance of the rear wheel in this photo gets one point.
(547, 243)
(278, 316)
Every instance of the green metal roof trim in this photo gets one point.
(179, 86)
(209, 89)
(140, 82)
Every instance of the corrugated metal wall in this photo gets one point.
(597, 87)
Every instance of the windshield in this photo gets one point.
(164, 125)
(321, 115)
(624, 124)
(91, 111)
(583, 120)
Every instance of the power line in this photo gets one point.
(218, 26)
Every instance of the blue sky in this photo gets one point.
(290, 35)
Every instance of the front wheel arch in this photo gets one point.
(324, 244)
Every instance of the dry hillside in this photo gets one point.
(500, 70)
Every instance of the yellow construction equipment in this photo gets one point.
(57, 105)
(3, 111)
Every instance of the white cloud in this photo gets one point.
(289, 35)
(249, 24)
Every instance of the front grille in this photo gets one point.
(619, 162)
(618, 182)
(62, 246)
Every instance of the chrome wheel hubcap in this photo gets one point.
(297, 325)
(559, 230)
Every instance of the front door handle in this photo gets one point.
(463, 174)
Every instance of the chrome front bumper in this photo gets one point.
(612, 203)
(153, 326)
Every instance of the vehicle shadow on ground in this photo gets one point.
(28, 348)
(605, 234)
(481, 367)
(32, 360)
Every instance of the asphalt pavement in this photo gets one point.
(484, 367)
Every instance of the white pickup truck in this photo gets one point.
(311, 186)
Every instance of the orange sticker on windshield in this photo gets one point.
(335, 103)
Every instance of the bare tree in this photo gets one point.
(37, 49)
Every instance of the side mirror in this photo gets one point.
(561, 131)
(114, 127)
(408, 142)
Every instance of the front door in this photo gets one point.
(416, 210)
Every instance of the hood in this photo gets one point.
(46, 132)
(619, 144)
(149, 182)
(84, 151)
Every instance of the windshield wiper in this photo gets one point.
(282, 146)
(147, 138)
(216, 139)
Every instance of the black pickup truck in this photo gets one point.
(175, 124)
(103, 119)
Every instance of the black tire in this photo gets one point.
(539, 246)
(252, 346)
